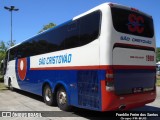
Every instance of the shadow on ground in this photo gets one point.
(147, 108)
(30, 95)
(88, 114)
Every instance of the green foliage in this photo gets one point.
(11, 44)
(3, 46)
(158, 54)
(3, 49)
(158, 81)
(45, 27)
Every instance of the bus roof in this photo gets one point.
(99, 7)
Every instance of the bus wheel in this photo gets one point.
(62, 99)
(10, 87)
(48, 95)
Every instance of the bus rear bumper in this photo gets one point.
(111, 101)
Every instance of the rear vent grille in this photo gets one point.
(88, 89)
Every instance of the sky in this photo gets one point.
(34, 14)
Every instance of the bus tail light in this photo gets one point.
(110, 80)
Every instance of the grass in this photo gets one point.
(1, 78)
(2, 86)
(158, 81)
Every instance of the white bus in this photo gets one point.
(157, 69)
(103, 59)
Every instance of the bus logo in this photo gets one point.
(135, 23)
(22, 68)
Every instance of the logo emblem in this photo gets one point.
(135, 23)
(22, 68)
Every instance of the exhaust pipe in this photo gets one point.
(122, 107)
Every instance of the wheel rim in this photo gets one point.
(48, 94)
(62, 98)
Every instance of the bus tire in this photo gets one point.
(10, 86)
(62, 99)
(48, 96)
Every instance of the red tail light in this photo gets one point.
(109, 75)
(110, 80)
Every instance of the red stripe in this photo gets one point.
(135, 46)
(96, 67)
(134, 67)
(68, 68)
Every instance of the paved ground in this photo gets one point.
(22, 101)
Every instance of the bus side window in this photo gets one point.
(90, 27)
(72, 36)
(72, 26)
(12, 54)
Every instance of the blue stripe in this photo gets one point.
(85, 94)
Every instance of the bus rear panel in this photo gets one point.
(130, 80)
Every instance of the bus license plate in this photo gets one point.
(137, 90)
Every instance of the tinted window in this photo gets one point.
(131, 22)
(12, 54)
(70, 35)
(89, 27)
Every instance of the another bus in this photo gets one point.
(102, 60)
(158, 69)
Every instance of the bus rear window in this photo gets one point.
(132, 22)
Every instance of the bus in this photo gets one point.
(101, 60)
(157, 69)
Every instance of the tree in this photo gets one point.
(158, 55)
(46, 27)
(3, 48)
(9, 43)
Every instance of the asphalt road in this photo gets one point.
(23, 101)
